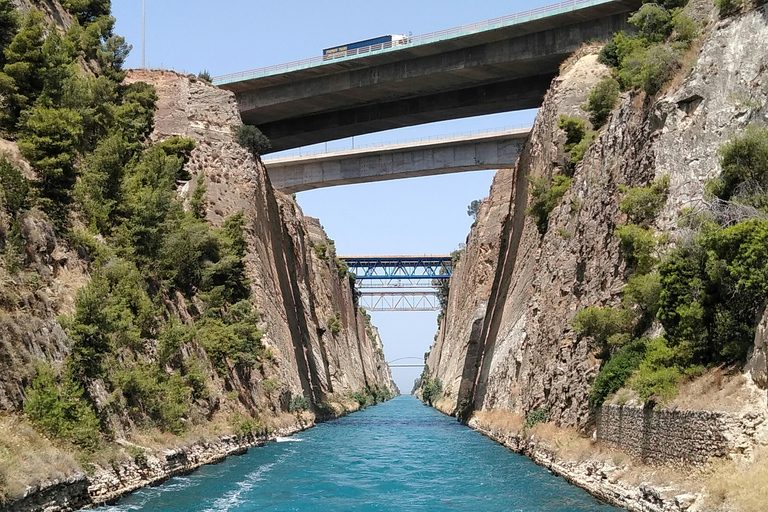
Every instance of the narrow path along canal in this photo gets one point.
(398, 456)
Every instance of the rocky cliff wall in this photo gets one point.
(507, 340)
(321, 346)
(296, 292)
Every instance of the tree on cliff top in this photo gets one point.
(252, 139)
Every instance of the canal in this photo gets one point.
(398, 456)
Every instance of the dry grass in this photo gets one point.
(500, 420)
(27, 458)
(687, 62)
(740, 487)
(717, 390)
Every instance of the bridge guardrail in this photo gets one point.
(432, 37)
(433, 138)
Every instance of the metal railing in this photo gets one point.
(432, 37)
(301, 152)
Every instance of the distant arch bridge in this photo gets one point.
(406, 365)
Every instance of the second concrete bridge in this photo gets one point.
(493, 150)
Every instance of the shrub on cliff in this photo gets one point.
(14, 187)
(728, 7)
(431, 389)
(153, 397)
(545, 196)
(577, 139)
(614, 374)
(638, 245)
(334, 323)
(574, 129)
(252, 139)
(602, 99)
(744, 163)
(87, 10)
(649, 58)
(605, 325)
(61, 410)
(642, 292)
(9, 24)
(649, 68)
(298, 404)
(712, 292)
(643, 204)
(653, 22)
(659, 372)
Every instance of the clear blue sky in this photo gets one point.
(413, 216)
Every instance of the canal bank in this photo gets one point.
(400, 455)
(599, 478)
(109, 482)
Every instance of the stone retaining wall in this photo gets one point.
(665, 436)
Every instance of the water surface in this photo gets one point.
(398, 456)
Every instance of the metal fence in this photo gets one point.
(432, 37)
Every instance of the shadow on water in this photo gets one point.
(398, 456)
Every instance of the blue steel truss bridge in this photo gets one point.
(399, 283)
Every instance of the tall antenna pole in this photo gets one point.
(143, 32)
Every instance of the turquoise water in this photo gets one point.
(398, 456)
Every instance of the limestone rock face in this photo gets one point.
(758, 363)
(296, 292)
(507, 340)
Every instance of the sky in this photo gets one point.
(424, 215)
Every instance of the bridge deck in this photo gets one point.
(474, 70)
(472, 34)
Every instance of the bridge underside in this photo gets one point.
(498, 70)
(297, 174)
(506, 96)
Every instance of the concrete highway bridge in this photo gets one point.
(494, 66)
(473, 152)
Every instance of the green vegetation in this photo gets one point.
(474, 208)
(602, 99)
(744, 161)
(9, 25)
(14, 188)
(334, 323)
(252, 139)
(536, 416)
(205, 75)
(575, 129)
(431, 387)
(643, 204)
(577, 139)
(545, 196)
(642, 294)
(60, 410)
(638, 245)
(728, 7)
(298, 404)
(606, 326)
(614, 374)
(168, 303)
(708, 292)
(371, 396)
(649, 58)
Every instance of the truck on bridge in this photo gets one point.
(374, 44)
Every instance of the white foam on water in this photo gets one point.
(288, 440)
(233, 498)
